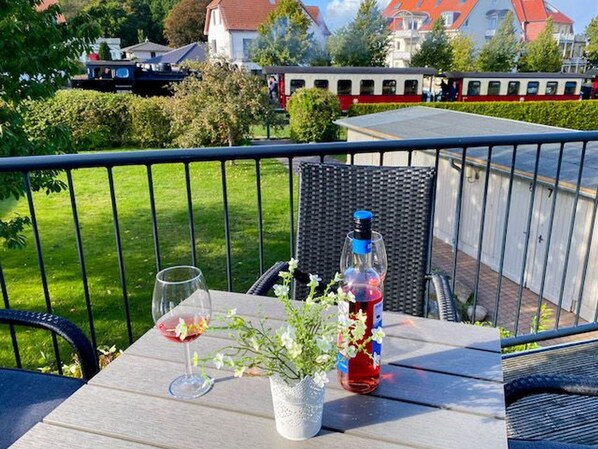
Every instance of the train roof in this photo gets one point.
(119, 63)
(510, 75)
(351, 70)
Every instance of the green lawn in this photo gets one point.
(93, 200)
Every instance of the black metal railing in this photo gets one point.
(498, 188)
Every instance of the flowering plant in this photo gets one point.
(307, 344)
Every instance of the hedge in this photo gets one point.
(578, 115)
(311, 113)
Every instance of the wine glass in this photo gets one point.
(181, 308)
(379, 262)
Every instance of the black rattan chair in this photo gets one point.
(26, 397)
(401, 200)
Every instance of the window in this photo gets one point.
(551, 87)
(343, 87)
(247, 49)
(410, 87)
(492, 22)
(297, 84)
(153, 54)
(570, 87)
(494, 88)
(366, 87)
(532, 87)
(473, 88)
(213, 46)
(447, 17)
(122, 72)
(389, 87)
(321, 84)
(399, 45)
(466, 23)
(513, 88)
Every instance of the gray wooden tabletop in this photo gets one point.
(441, 388)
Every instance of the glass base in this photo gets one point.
(190, 387)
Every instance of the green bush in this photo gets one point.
(151, 122)
(579, 115)
(311, 113)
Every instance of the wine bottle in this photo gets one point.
(361, 374)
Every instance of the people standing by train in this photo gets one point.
(273, 88)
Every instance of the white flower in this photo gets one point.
(361, 317)
(180, 331)
(323, 344)
(320, 379)
(295, 350)
(378, 334)
(343, 308)
(239, 371)
(231, 313)
(288, 337)
(338, 277)
(255, 344)
(322, 358)
(292, 264)
(314, 280)
(218, 360)
(351, 351)
(350, 297)
(281, 290)
(376, 358)
(345, 321)
(359, 330)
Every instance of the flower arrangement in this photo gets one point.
(308, 343)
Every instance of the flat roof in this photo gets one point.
(420, 122)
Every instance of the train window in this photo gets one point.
(297, 84)
(551, 87)
(343, 87)
(570, 87)
(513, 88)
(494, 88)
(389, 87)
(321, 84)
(473, 88)
(410, 87)
(122, 72)
(532, 87)
(366, 87)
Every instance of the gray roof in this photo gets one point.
(422, 122)
(191, 52)
(147, 46)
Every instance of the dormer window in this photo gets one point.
(448, 18)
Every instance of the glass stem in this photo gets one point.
(188, 367)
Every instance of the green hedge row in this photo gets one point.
(98, 120)
(579, 115)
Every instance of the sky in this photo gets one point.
(339, 12)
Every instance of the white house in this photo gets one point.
(113, 44)
(231, 26)
(145, 50)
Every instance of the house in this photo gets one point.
(145, 50)
(421, 122)
(410, 20)
(45, 4)
(231, 26)
(113, 44)
(192, 52)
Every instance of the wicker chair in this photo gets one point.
(401, 200)
(26, 397)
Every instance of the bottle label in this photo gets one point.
(342, 364)
(362, 246)
(377, 322)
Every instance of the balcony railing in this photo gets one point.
(514, 220)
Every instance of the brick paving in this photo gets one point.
(442, 259)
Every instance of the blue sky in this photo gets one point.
(340, 12)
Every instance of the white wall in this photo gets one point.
(478, 22)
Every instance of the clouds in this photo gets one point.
(341, 12)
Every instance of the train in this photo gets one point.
(409, 85)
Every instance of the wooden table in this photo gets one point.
(441, 388)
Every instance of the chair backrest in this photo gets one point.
(401, 201)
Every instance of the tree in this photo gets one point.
(71, 8)
(220, 108)
(364, 42)
(543, 54)
(500, 53)
(435, 50)
(104, 52)
(592, 47)
(36, 61)
(184, 23)
(464, 57)
(284, 38)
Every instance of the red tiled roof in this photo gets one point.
(433, 8)
(246, 15)
(534, 14)
(45, 4)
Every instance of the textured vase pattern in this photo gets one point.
(297, 408)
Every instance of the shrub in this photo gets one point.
(579, 115)
(311, 113)
(150, 122)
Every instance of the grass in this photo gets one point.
(63, 272)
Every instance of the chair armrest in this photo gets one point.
(558, 384)
(447, 310)
(67, 330)
(267, 280)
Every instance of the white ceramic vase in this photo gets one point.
(297, 408)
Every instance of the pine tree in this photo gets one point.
(500, 53)
(543, 54)
(104, 52)
(364, 42)
(435, 50)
